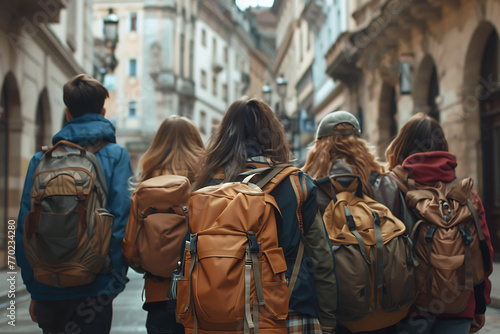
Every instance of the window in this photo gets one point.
(203, 79)
(191, 58)
(203, 121)
(132, 109)
(182, 46)
(214, 84)
(133, 21)
(132, 67)
(308, 36)
(224, 92)
(214, 48)
(203, 37)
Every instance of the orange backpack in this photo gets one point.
(447, 239)
(157, 225)
(234, 268)
(373, 257)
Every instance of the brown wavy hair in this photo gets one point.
(351, 149)
(176, 149)
(421, 133)
(247, 122)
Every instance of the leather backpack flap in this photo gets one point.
(425, 202)
(162, 193)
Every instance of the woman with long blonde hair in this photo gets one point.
(339, 149)
(176, 150)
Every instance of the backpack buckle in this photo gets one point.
(466, 236)
(430, 234)
(193, 243)
(252, 242)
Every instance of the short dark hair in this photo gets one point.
(83, 94)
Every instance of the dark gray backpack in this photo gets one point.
(68, 231)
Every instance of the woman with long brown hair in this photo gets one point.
(339, 149)
(420, 153)
(176, 150)
(250, 136)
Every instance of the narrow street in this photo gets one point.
(129, 318)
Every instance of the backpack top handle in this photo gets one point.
(60, 143)
(335, 186)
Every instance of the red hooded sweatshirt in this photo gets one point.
(429, 168)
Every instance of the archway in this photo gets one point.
(10, 115)
(426, 88)
(490, 132)
(481, 109)
(42, 121)
(387, 120)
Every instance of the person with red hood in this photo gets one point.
(421, 151)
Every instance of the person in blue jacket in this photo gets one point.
(250, 136)
(86, 308)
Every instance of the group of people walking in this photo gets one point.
(251, 138)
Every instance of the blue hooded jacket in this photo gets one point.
(116, 167)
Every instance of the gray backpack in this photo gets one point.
(68, 231)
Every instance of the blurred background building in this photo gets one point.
(179, 57)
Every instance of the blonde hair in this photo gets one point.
(176, 149)
(351, 149)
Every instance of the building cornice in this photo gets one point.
(53, 46)
(212, 9)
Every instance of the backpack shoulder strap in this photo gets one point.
(400, 175)
(94, 148)
(473, 211)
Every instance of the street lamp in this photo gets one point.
(266, 93)
(281, 83)
(111, 38)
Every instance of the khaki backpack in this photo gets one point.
(154, 237)
(447, 241)
(234, 268)
(68, 231)
(373, 257)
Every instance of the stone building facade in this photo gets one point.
(400, 57)
(294, 61)
(193, 59)
(42, 45)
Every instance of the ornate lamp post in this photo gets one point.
(111, 39)
(266, 93)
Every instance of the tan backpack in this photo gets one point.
(68, 231)
(158, 225)
(447, 241)
(234, 268)
(373, 257)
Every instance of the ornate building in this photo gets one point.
(399, 57)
